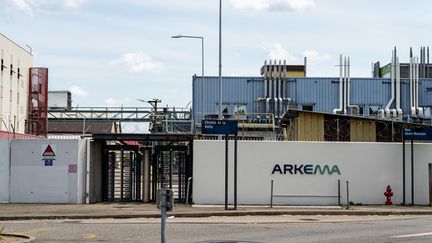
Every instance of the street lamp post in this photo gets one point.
(202, 65)
(220, 59)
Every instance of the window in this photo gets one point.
(307, 107)
(429, 89)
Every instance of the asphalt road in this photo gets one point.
(233, 229)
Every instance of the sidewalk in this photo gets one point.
(146, 210)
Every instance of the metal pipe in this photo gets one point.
(392, 75)
(349, 87)
(411, 81)
(285, 87)
(340, 87)
(345, 86)
(276, 91)
(269, 88)
(424, 63)
(427, 67)
(265, 78)
(274, 87)
(419, 109)
(398, 90)
(280, 88)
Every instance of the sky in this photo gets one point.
(111, 52)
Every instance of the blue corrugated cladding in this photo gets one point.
(322, 93)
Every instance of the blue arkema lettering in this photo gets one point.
(308, 169)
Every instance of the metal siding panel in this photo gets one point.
(323, 92)
(405, 96)
(425, 98)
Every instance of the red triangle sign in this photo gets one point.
(48, 151)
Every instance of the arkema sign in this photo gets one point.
(305, 169)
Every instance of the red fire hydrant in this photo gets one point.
(388, 194)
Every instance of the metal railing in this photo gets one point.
(273, 195)
(125, 114)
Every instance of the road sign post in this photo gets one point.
(225, 127)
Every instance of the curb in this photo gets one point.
(209, 214)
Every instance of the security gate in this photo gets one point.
(171, 168)
(122, 173)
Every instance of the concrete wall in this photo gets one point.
(369, 167)
(4, 170)
(32, 181)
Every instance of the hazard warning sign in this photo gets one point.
(49, 151)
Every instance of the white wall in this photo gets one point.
(33, 182)
(369, 167)
(4, 170)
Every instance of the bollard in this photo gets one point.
(163, 195)
(271, 194)
(164, 201)
(347, 188)
(187, 190)
(339, 194)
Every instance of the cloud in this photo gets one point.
(111, 102)
(138, 63)
(29, 6)
(314, 56)
(273, 5)
(78, 91)
(277, 52)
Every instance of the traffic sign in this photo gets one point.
(424, 133)
(219, 127)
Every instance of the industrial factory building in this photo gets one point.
(327, 123)
(393, 98)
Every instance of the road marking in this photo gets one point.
(88, 236)
(412, 235)
(33, 231)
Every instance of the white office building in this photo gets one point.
(14, 76)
